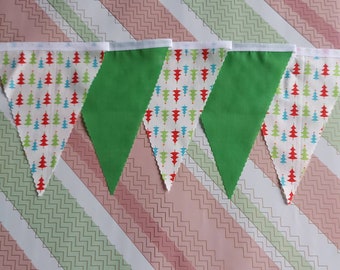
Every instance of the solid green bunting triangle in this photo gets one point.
(116, 103)
(236, 107)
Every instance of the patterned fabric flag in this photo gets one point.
(118, 99)
(299, 111)
(182, 89)
(46, 90)
(235, 110)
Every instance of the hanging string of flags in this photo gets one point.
(232, 90)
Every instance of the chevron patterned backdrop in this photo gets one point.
(77, 224)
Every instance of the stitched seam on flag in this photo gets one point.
(73, 20)
(234, 20)
(286, 249)
(74, 240)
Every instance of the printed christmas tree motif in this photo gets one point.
(57, 99)
(176, 94)
(60, 58)
(67, 83)
(205, 53)
(315, 117)
(324, 112)
(36, 125)
(174, 158)
(163, 156)
(292, 153)
(53, 161)
(10, 104)
(22, 59)
(193, 73)
(287, 74)
(148, 115)
(183, 130)
(295, 90)
(315, 96)
(19, 101)
(325, 70)
(87, 58)
(296, 69)
(31, 79)
(13, 64)
(86, 77)
(4, 78)
(335, 92)
(101, 58)
(76, 58)
(11, 84)
(55, 140)
(64, 124)
(42, 162)
(278, 91)
(305, 111)
(175, 115)
(41, 63)
(304, 154)
(43, 141)
(56, 119)
(68, 63)
(164, 136)
(65, 105)
(275, 153)
(167, 56)
(38, 104)
(41, 185)
(28, 119)
(155, 131)
(21, 79)
(74, 99)
(193, 95)
(294, 111)
(304, 133)
(177, 74)
(47, 99)
(275, 131)
(313, 138)
(185, 69)
(165, 115)
(174, 136)
(48, 78)
(306, 91)
(291, 176)
(178, 54)
(40, 84)
(33, 58)
(324, 91)
(204, 94)
(59, 78)
(336, 71)
(49, 58)
(35, 146)
(308, 69)
(284, 136)
(27, 141)
(293, 132)
(286, 94)
(184, 109)
(5, 60)
(316, 75)
(285, 115)
(166, 74)
(283, 159)
(282, 181)
(192, 115)
(73, 118)
(276, 110)
(221, 53)
(194, 54)
(84, 97)
(45, 120)
(33, 168)
(204, 73)
(75, 78)
(17, 119)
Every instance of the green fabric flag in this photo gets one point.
(237, 105)
(116, 103)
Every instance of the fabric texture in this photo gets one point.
(115, 108)
(236, 108)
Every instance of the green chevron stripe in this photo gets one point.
(277, 239)
(234, 20)
(71, 236)
(73, 20)
(332, 129)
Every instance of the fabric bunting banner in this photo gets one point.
(182, 90)
(118, 99)
(303, 102)
(46, 85)
(235, 110)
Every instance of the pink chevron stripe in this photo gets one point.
(11, 255)
(318, 197)
(308, 22)
(31, 21)
(147, 19)
(80, 156)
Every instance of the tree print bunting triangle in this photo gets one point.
(118, 99)
(46, 90)
(298, 113)
(235, 110)
(182, 89)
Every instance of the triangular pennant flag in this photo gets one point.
(235, 109)
(181, 92)
(118, 99)
(46, 90)
(298, 113)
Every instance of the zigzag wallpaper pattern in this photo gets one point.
(77, 224)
